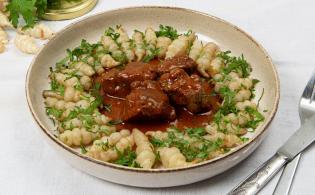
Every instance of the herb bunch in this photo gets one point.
(30, 10)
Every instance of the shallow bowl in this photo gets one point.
(226, 35)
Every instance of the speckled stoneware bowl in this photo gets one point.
(228, 37)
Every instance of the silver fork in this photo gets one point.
(292, 147)
(306, 110)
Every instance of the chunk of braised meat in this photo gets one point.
(138, 71)
(117, 82)
(183, 62)
(187, 91)
(208, 100)
(112, 84)
(148, 84)
(147, 101)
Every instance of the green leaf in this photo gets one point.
(78, 87)
(151, 54)
(196, 132)
(87, 120)
(111, 33)
(104, 145)
(167, 31)
(114, 122)
(256, 116)
(55, 86)
(54, 112)
(83, 149)
(244, 139)
(120, 57)
(97, 102)
(41, 7)
(189, 32)
(234, 64)
(107, 107)
(105, 130)
(72, 114)
(228, 105)
(27, 9)
(255, 81)
(84, 48)
(262, 94)
(127, 158)
(157, 142)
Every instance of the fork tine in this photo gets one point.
(308, 92)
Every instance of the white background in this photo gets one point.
(285, 28)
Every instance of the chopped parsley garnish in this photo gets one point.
(73, 114)
(82, 53)
(120, 57)
(94, 105)
(87, 121)
(262, 94)
(97, 102)
(103, 129)
(127, 158)
(103, 144)
(111, 33)
(198, 147)
(256, 118)
(78, 87)
(255, 81)
(55, 86)
(196, 132)
(115, 122)
(83, 149)
(85, 115)
(84, 48)
(54, 112)
(107, 107)
(151, 54)
(228, 100)
(244, 139)
(132, 44)
(189, 32)
(234, 64)
(157, 142)
(167, 31)
(73, 74)
(238, 65)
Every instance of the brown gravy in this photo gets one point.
(184, 118)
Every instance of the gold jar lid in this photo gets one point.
(69, 9)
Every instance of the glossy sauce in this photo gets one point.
(183, 119)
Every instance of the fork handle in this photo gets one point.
(256, 181)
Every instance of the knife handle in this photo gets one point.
(256, 181)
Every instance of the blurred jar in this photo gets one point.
(68, 9)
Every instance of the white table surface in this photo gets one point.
(284, 27)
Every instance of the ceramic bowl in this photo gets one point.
(228, 37)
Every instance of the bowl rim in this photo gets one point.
(264, 126)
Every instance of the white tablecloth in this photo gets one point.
(284, 27)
